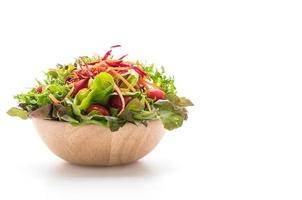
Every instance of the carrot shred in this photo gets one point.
(124, 89)
(148, 105)
(141, 81)
(117, 89)
(120, 68)
(69, 93)
(123, 79)
(54, 99)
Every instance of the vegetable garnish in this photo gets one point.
(106, 91)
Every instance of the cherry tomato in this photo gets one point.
(39, 89)
(98, 108)
(116, 102)
(156, 94)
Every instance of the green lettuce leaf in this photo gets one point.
(172, 114)
(132, 78)
(179, 101)
(114, 123)
(99, 91)
(32, 100)
(144, 115)
(59, 91)
(17, 112)
(135, 105)
(160, 78)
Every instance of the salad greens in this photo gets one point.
(104, 91)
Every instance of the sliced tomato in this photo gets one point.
(39, 89)
(98, 108)
(156, 94)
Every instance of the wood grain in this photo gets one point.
(97, 145)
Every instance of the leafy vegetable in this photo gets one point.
(132, 78)
(161, 79)
(98, 91)
(32, 100)
(17, 112)
(104, 91)
(173, 114)
(58, 91)
(172, 111)
(179, 101)
(135, 105)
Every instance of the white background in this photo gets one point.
(239, 61)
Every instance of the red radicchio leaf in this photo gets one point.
(115, 46)
(113, 63)
(107, 54)
(121, 58)
(122, 64)
(140, 72)
(80, 85)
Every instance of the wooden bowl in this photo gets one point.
(97, 145)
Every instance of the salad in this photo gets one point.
(105, 91)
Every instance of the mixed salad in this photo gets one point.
(106, 91)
